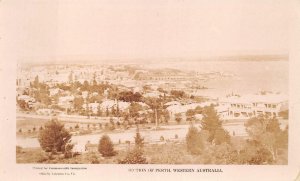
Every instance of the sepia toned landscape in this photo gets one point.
(229, 110)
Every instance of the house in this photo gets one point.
(174, 109)
(54, 91)
(108, 104)
(66, 101)
(29, 100)
(44, 111)
(247, 106)
(94, 107)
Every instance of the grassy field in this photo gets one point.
(164, 153)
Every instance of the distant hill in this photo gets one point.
(253, 58)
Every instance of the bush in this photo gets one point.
(139, 141)
(134, 157)
(194, 141)
(178, 118)
(68, 150)
(106, 147)
(54, 136)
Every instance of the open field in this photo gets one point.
(166, 153)
(92, 134)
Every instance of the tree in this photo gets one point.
(85, 86)
(118, 110)
(112, 124)
(113, 111)
(106, 147)
(254, 153)
(99, 112)
(134, 109)
(190, 115)
(134, 157)
(166, 115)
(177, 94)
(107, 112)
(129, 96)
(194, 141)
(155, 104)
(78, 102)
(139, 141)
(266, 131)
(178, 118)
(36, 82)
(54, 136)
(212, 123)
(23, 105)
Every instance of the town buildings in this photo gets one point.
(247, 106)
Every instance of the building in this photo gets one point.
(244, 107)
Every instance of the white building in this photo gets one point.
(248, 106)
(66, 102)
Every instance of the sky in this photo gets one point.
(133, 29)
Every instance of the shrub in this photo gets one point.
(106, 147)
(95, 161)
(178, 118)
(134, 157)
(54, 137)
(194, 141)
(139, 141)
(68, 150)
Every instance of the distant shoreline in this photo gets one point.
(87, 61)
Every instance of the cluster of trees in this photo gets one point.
(135, 156)
(177, 94)
(129, 96)
(211, 132)
(40, 91)
(266, 135)
(24, 105)
(190, 114)
(33, 130)
(55, 138)
(266, 141)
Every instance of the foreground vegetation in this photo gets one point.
(209, 144)
(169, 153)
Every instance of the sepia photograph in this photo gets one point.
(219, 110)
(166, 89)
